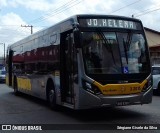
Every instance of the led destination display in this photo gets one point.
(110, 23)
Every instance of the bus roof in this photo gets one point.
(103, 16)
(70, 21)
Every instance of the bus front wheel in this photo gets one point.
(51, 96)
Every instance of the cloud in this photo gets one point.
(12, 19)
(41, 5)
(11, 30)
(70, 8)
(116, 7)
(3, 3)
(36, 5)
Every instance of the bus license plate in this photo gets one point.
(122, 103)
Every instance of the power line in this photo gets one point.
(52, 11)
(140, 12)
(148, 12)
(62, 8)
(61, 11)
(125, 6)
(57, 11)
(14, 31)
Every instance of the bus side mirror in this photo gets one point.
(77, 38)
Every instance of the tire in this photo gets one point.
(158, 89)
(156, 92)
(16, 92)
(51, 96)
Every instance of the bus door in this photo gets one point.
(10, 59)
(66, 78)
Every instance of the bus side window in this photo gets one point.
(53, 39)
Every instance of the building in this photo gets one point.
(153, 38)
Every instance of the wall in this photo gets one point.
(153, 38)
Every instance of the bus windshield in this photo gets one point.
(114, 53)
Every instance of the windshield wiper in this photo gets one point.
(128, 41)
(126, 45)
(125, 50)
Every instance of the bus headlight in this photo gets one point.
(91, 88)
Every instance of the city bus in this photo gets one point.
(83, 62)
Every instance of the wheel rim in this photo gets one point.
(51, 95)
(15, 86)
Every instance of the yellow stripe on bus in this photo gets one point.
(7, 80)
(120, 89)
(24, 83)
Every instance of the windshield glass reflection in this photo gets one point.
(114, 53)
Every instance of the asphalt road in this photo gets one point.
(24, 109)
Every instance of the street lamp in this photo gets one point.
(4, 50)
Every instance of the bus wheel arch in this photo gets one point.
(50, 94)
(15, 86)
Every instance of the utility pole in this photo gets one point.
(28, 26)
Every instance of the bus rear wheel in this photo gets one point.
(16, 92)
(51, 96)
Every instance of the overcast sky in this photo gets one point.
(44, 13)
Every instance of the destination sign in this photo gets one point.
(110, 23)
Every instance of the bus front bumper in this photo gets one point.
(89, 100)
